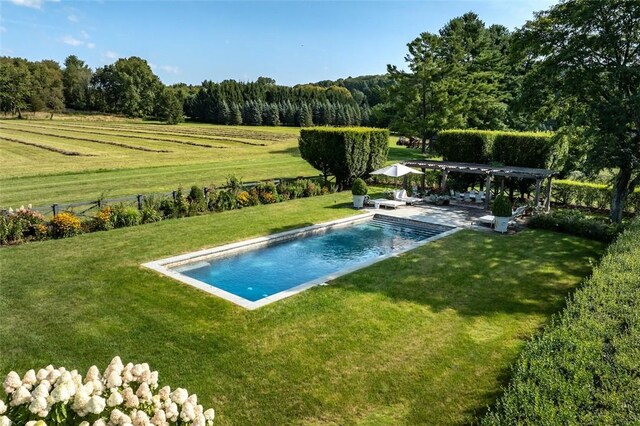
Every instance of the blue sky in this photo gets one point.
(190, 41)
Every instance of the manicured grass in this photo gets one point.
(197, 154)
(425, 338)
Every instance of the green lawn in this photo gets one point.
(199, 154)
(424, 338)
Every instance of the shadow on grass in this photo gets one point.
(293, 151)
(336, 205)
(476, 274)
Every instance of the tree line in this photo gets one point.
(130, 87)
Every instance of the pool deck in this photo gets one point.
(458, 215)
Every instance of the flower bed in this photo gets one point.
(25, 224)
(121, 395)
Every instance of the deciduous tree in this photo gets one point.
(587, 54)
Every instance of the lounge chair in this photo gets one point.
(490, 219)
(383, 202)
(401, 195)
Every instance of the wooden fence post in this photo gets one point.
(175, 195)
(140, 198)
(54, 207)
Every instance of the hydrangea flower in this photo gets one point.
(121, 395)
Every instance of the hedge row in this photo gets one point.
(521, 149)
(346, 153)
(584, 369)
(576, 223)
(585, 194)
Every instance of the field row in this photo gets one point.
(44, 161)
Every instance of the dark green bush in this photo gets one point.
(584, 368)
(197, 202)
(346, 153)
(359, 187)
(501, 206)
(574, 222)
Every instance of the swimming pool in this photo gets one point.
(257, 272)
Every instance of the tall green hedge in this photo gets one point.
(586, 194)
(467, 146)
(526, 149)
(521, 149)
(346, 153)
(584, 369)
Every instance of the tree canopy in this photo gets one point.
(584, 60)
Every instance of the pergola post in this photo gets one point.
(443, 183)
(487, 191)
(423, 181)
(547, 201)
(536, 201)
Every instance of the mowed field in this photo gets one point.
(46, 161)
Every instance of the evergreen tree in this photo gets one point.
(224, 113)
(236, 114)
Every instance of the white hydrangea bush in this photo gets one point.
(123, 395)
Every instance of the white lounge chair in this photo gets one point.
(490, 219)
(383, 202)
(401, 195)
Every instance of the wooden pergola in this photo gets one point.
(489, 171)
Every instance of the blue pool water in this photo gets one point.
(268, 270)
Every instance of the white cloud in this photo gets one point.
(84, 34)
(2, 29)
(36, 4)
(72, 41)
(110, 54)
(170, 69)
(91, 45)
(72, 18)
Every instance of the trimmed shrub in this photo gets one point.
(592, 195)
(64, 225)
(467, 146)
(346, 153)
(197, 203)
(583, 368)
(501, 206)
(576, 223)
(527, 149)
(519, 149)
(359, 187)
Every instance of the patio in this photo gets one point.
(458, 215)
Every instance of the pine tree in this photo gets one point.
(235, 117)
(224, 113)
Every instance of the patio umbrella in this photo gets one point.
(396, 170)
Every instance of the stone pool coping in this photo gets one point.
(163, 266)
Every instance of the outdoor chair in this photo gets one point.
(401, 195)
(490, 219)
(383, 202)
